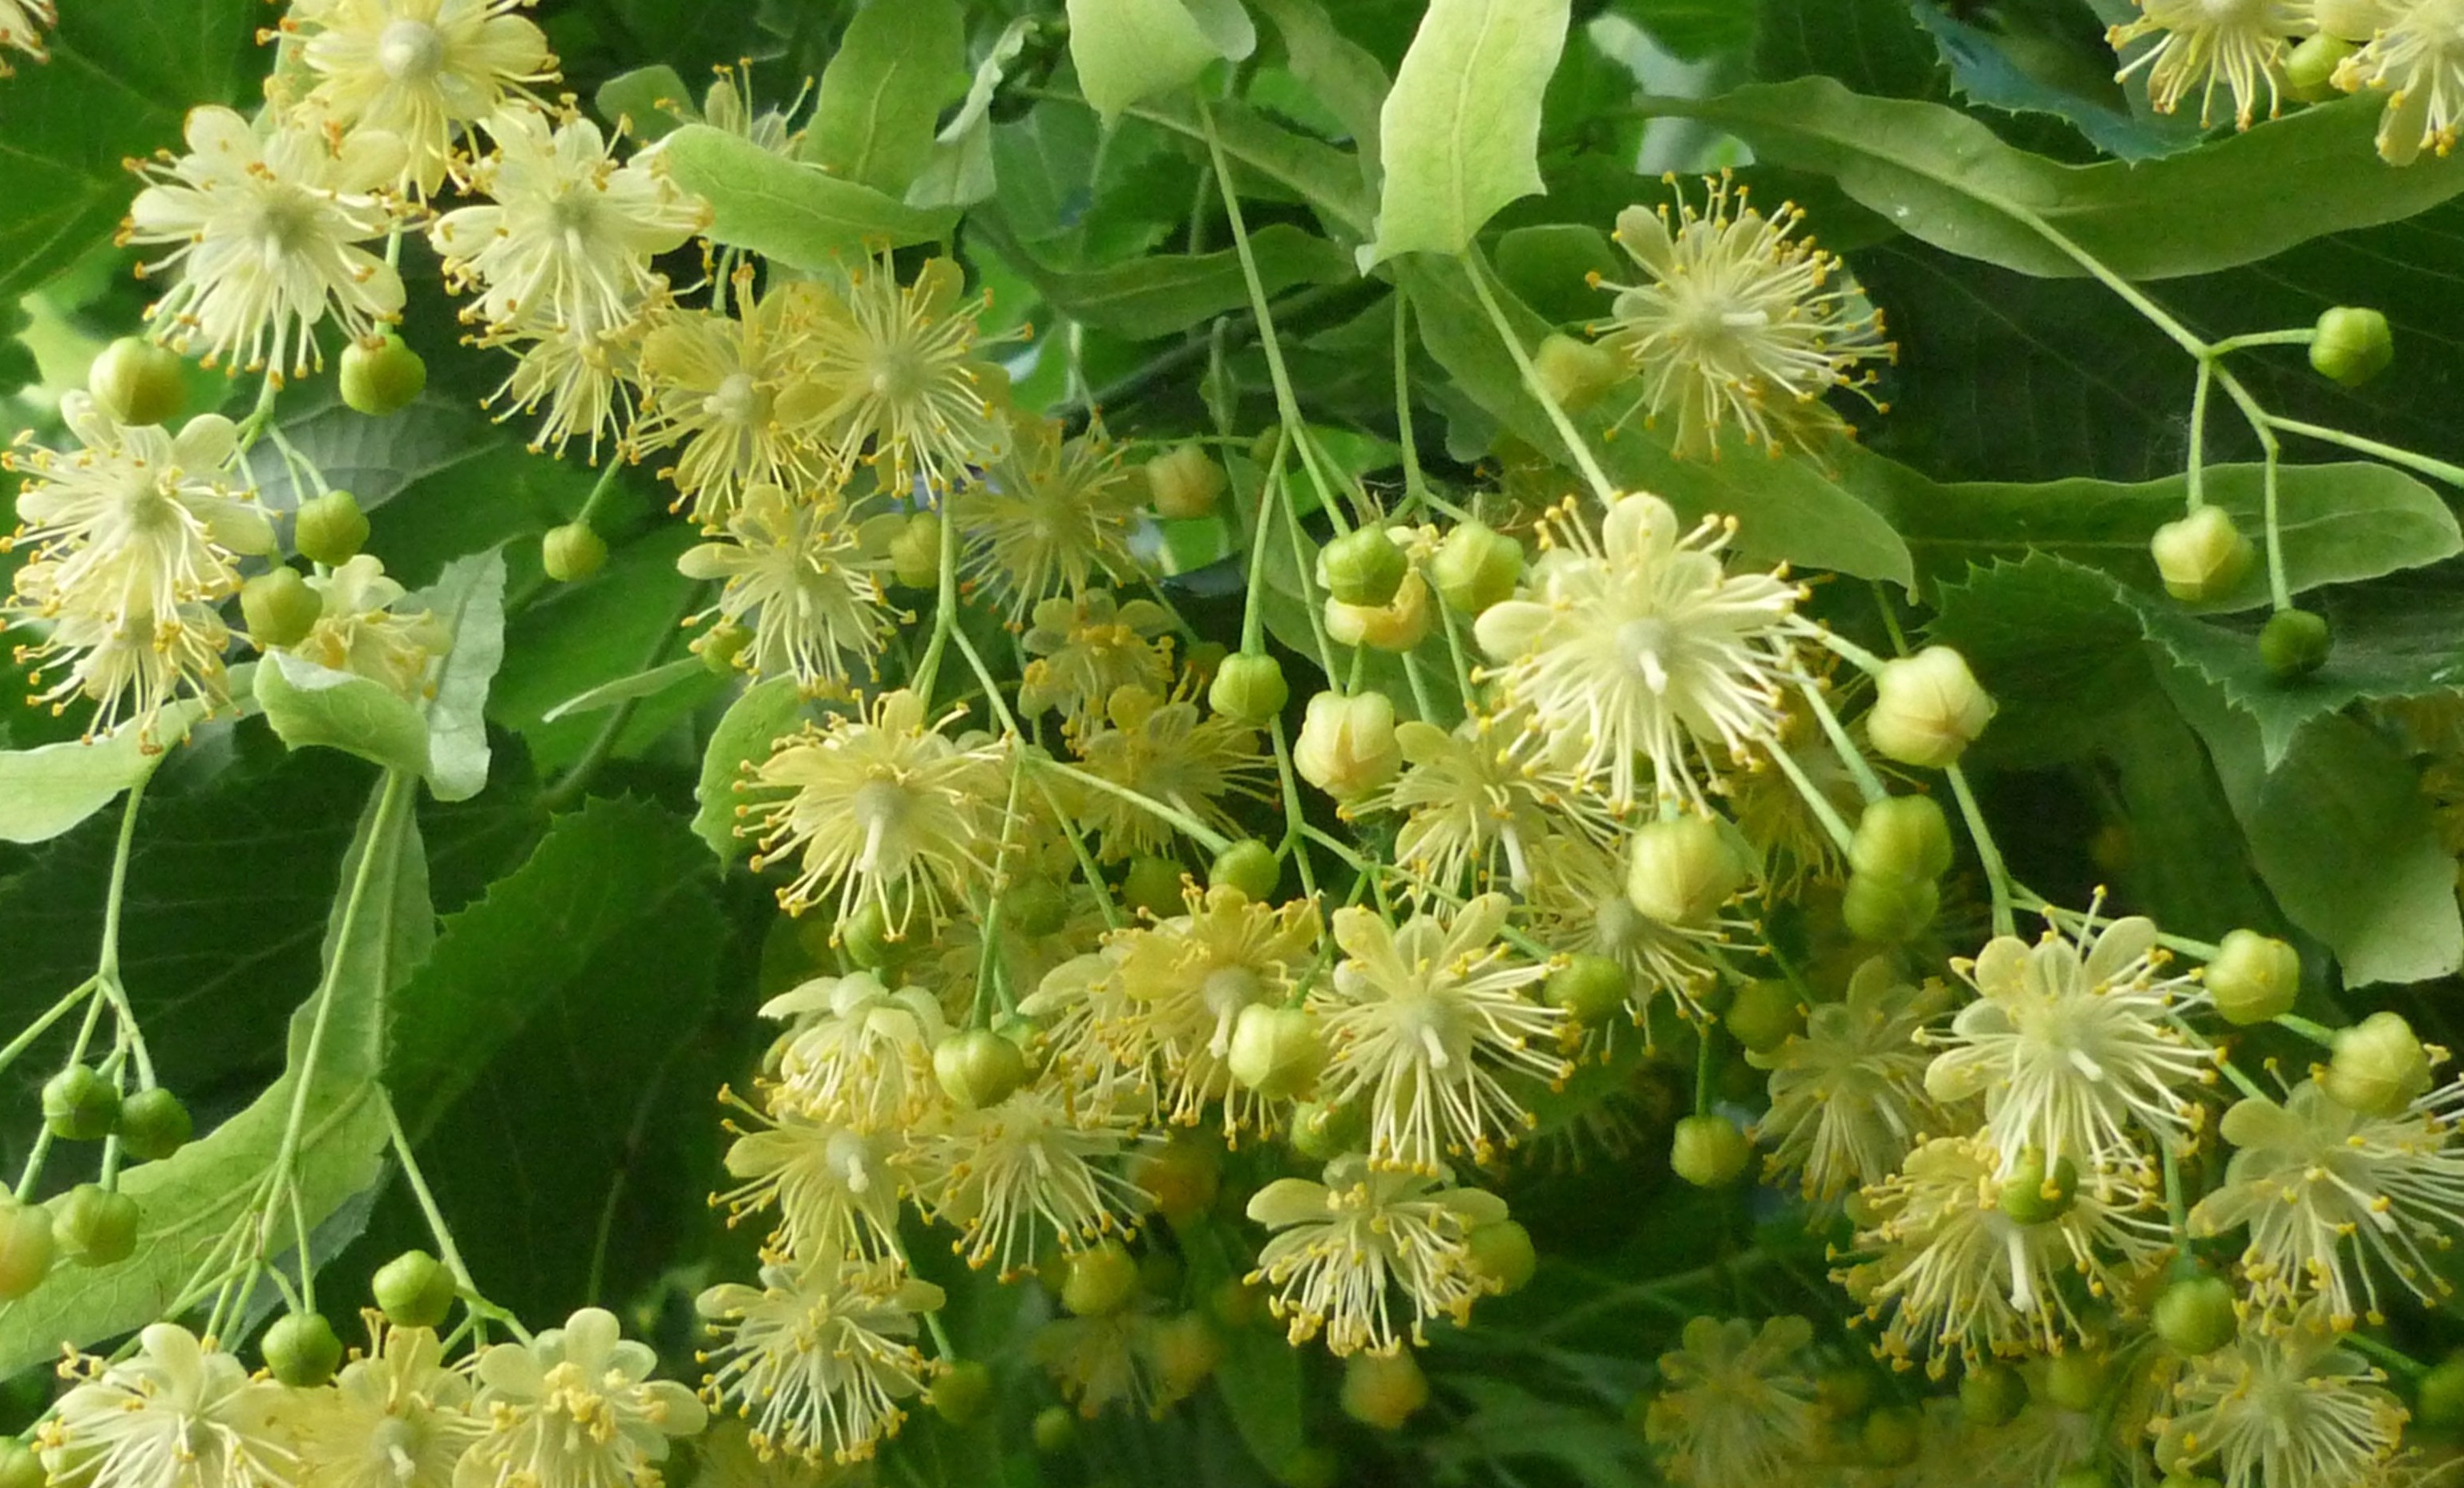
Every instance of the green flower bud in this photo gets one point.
(1363, 567)
(2075, 1378)
(1249, 688)
(1991, 1394)
(26, 1248)
(2294, 643)
(572, 552)
(1187, 1348)
(1683, 870)
(1888, 911)
(94, 1226)
(2352, 20)
(2203, 556)
(1100, 1281)
(278, 608)
(80, 1104)
(1184, 483)
(2352, 346)
(1902, 836)
(2440, 1402)
(1590, 988)
(1383, 1390)
(1398, 625)
(1574, 373)
(330, 529)
(2032, 1195)
(136, 382)
(2377, 1067)
(1323, 1131)
(1763, 1015)
(2253, 978)
(383, 379)
(1708, 1151)
(916, 552)
(979, 1068)
(1891, 1436)
(865, 936)
(1153, 884)
(1053, 1430)
(1476, 566)
(1844, 1392)
(1035, 906)
(1501, 1252)
(20, 1467)
(2310, 68)
(2177, 1478)
(962, 1392)
(1183, 1177)
(1927, 709)
(2195, 1315)
(1248, 865)
(301, 1350)
(719, 646)
(1347, 745)
(1276, 1052)
(413, 1289)
(153, 1124)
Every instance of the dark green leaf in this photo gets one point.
(1166, 293)
(764, 714)
(2054, 645)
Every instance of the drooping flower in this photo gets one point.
(174, 1415)
(818, 1361)
(897, 378)
(2417, 60)
(131, 674)
(2238, 45)
(732, 395)
(1164, 749)
(1083, 1006)
(832, 1182)
(397, 1418)
(855, 1053)
(1737, 324)
(1187, 980)
(1052, 517)
(21, 29)
(267, 228)
(581, 382)
(1847, 1095)
(423, 71)
(2284, 1406)
(1031, 1170)
(1421, 1023)
(1479, 803)
(1088, 647)
(1343, 1248)
(1580, 905)
(575, 1407)
(1734, 1408)
(1641, 650)
(362, 632)
(806, 580)
(1125, 1355)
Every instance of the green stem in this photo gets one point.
(1295, 816)
(1869, 784)
(1997, 874)
(1576, 445)
(50, 1016)
(1253, 604)
(945, 610)
(1706, 1060)
(1415, 484)
(2300, 336)
(2280, 589)
(2317, 1033)
(1849, 651)
(33, 1170)
(2194, 480)
(446, 1250)
(1815, 802)
(1181, 821)
(2395, 454)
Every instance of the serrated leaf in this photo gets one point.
(1327, 178)
(2056, 646)
(1166, 293)
(765, 713)
(315, 705)
(2029, 64)
(1459, 132)
(469, 599)
(46, 790)
(798, 215)
(883, 91)
(651, 102)
(1128, 50)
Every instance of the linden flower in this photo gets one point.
(567, 241)
(1121, 1355)
(1795, 848)
(805, 582)
(2417, 56)
(2070, 1044)
(174, 1415)
(580, 382)
(575, 1407)
(817, 1362)
(1189, 978)
(2333, 1197)
(896, 377)
(832, 1183)
(1421, 1021)
(267, 226)
(1051, 517)
(1083, 1006)
(732, 391)
(1090, 647)
(397, 1418)
(1026, 1173)
(884, 811)
(21, 27)
(855, 1052)
(1580, 905)
(1737, 324)
(1164, 750)
(2237, 44)
(1483, 796)
(1847, 1095)
(1640, 646)
(2282, 1408)
(1956, 1273)
(1342, 1247)
(360, 633)
(130, 674)
(1734, 1408)
(421, 70)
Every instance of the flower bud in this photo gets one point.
(1902, 836)
(1763, 1015)
(2294, 643)
(136, 381)
(1590, 988)
(1574, 373)
(1844, 1392)
(1249, 688)
(720, 645)
(1363, 567)
(26, 1248)
(383, 379)
(1683, 870)
(2075, 1378)
(1182, 1176)
(301, 1350)
(19, 1465)
(1183, 482)
(1991, 1394)
(413, 1289)
(1323, 1131)
(94, 1226)
(1927, 709)
(2440, 1402)
(1383, 1390)
(278, 608)
(2310, 68)
(962, 1392)
(2033, 1195)
(1476, 566)
(2203, 556)
(1397, 625)
(1248, 865)
(1708, 1151)
(1888, 911)
(572, 552)
(865, 936)
(153, 1124)
(2352, 346)
(2195, 1315)
(1501, 1252)
(1187, 1348)
(978, 1067)
(2353, 20)
(1891, 1436)
(1276, 1052)
(1347, 745)
(1035, 906)
(1100, 1281)
(1153, 884)
(330, 529)
(916, 552)
(2253, 978)
(1053, 1430)
(80, 1104)
(2377, 1067)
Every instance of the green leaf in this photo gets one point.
(469, 598)
(311, 705)
(1128, 50)
(2028, 60)
(651, 102)
(1459, 134)
(44, 791)
(1693, 29)
(960, 172)
(765, 713)
(2179, 863)
(885, 87)
(800, 215)
(1340, 74)
(1327, 178)
(1546, 265)
(642, 684)
(1259, 1380)
(2054, 645)
(1165, 293)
